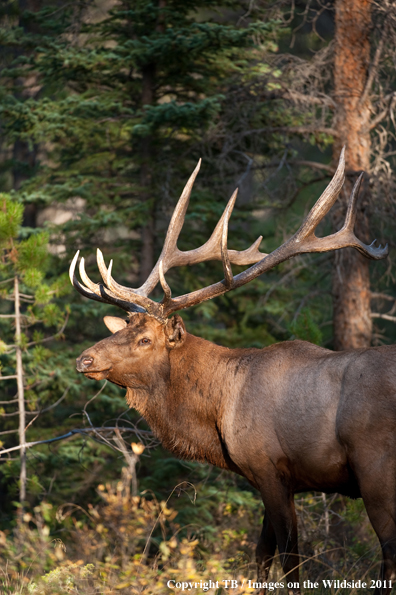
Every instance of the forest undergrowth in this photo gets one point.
(130, 544)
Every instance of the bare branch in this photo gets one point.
(383, 316)
(6, 281)
(57, 334)
(15, 413)
(82, 431)
(383, 114)
(315, 165)
(295, 130)
(31, 422)
(372, 70)
(321, 99)
(297, 97)
(50, 406)
(94, 429)
(382, 296)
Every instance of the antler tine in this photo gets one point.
(72, 267)
(303, 241)
(171, 256)
(177, 220)
(324, 203)
(248, 256)
(99, 297)
(211, 250)
(228, 276)
(94, 287)
(73, 279)
(108, 276)
(347, 230)
(345, 237)
(169, 249)
(124, 293)
(175, 226)
(75, 282)
(350, 217)
(101, 265)
(118, 289)
(164, 285)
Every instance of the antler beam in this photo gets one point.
(303, 241)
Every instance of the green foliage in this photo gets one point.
(26, 258)
(11, 213)
(115, 110)
(33, 254)
(303, 327)
(33, 277)
(124, 106)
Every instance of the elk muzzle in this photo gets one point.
(84, 362)
(86, 365)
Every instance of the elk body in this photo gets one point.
(291, 417)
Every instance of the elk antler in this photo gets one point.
(127, 298)
(303, 241)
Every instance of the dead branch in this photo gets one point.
(383, 316)
(82, 431)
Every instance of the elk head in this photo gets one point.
(134, 353)
(147, 339)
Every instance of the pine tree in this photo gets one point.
(123, 107)
(127, 105)
(337, 85)
(28, 310)
(119, 106)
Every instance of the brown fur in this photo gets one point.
(290, 417)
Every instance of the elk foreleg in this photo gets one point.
(279, 504)
(376, 475)
(382, 516)
(265, 552)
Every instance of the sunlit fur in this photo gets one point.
(290, 417)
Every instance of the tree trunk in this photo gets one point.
(24, 162)
(147, 256)
(21, 395)
(351, 281)
(24, 157)
(148, 230)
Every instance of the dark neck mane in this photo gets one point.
(185, 410)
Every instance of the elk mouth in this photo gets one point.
(96, 374)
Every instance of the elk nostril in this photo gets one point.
(87, 361)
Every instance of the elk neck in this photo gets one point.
(185, 408)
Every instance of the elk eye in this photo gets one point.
(144, 341)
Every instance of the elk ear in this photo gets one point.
(175, 332)
(114, 324)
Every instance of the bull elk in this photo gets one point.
(289, 418)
